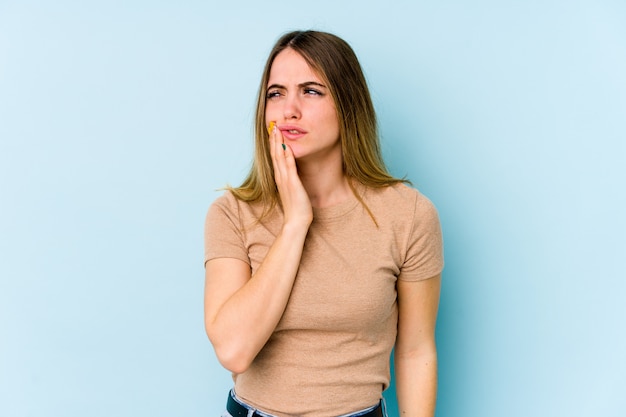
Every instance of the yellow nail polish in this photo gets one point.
(271, 127)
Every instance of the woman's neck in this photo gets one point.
(326, 185)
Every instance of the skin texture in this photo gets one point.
(307, 161)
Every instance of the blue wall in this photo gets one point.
(119, 119)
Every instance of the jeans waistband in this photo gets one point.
(237, 408)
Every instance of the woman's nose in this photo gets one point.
(292, 107)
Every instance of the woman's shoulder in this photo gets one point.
(406, 210)
(230, 205)
(400, 197)
(225, 203)
(229, 199)
(226, 199)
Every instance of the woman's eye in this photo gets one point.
(313, 92)
(272, 94)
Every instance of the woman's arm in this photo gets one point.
(415, 350)
(241, 311)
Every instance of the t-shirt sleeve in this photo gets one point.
(223, 232)
(424, 255)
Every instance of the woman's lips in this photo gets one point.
(292, 132)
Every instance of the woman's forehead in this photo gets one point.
(290, 66)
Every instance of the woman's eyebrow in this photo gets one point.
(276, 86)
(301, 85)
(310, 83)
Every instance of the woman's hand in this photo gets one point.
(294, 198)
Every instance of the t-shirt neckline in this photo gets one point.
(335, 211)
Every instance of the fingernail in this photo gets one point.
(284, 147)
(271, 127)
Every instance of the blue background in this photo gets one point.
(120, 119)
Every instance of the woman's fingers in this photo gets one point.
(277, 152)
(282, 156)
(293, 196)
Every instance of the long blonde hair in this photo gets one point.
(336, 63)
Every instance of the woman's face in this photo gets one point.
(301, 105)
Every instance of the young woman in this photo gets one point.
(321, 262)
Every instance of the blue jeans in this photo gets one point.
(252, 409)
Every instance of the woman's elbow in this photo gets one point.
(234, 362)
(232, 357)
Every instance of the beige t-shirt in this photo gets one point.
(329, 354)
